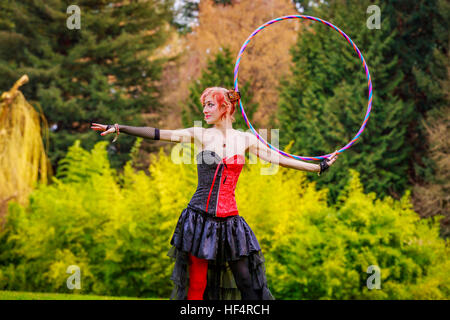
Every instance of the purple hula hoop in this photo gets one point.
(236, 87)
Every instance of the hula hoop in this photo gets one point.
(236, 87)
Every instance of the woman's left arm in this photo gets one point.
(265, 153)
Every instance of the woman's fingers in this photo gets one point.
(101, 127)
(98, 127)
(111, 130)
(332, 158)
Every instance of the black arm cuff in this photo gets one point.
(144, 132)
(323, 165)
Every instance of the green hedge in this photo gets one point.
(117, 227)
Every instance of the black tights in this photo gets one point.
(240, 269)
(198, 269)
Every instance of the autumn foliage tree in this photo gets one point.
(266, 59)
(219, 73)
(23, 157)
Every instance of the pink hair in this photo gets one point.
(219, 95)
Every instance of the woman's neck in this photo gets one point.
(224, 126)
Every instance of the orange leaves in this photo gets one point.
(266, 59)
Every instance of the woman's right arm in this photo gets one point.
(179, 135)
(191, 134)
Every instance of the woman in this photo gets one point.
(217, 255)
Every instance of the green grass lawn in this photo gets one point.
(18, 295)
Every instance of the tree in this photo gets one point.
(23, 159)
(422, 44)
(266, 59)
(98, 73)
(431, 196)
(186, 13)
(219, 73)
(323, 104)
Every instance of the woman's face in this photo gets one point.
(211, 110)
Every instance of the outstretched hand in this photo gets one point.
(102, 127)
(332, 158)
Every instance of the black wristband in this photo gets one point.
(323, 165)
(156, 134)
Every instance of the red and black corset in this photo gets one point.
(217, 179)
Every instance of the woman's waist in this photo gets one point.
(213, 214)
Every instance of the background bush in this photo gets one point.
(117, 229)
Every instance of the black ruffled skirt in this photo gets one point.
(219, 240)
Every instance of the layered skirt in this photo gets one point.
(219, 240)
